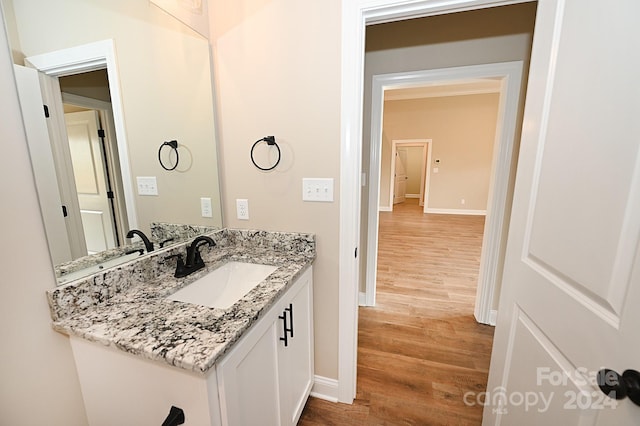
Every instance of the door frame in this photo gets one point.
(356, 16)
(425, 144)
(84, 58)
(494, 235)
(104, 110)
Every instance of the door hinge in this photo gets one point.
(110, 194)
(46, 111)
(101, 133)
(356, 253)
(64, 211)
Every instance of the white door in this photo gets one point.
(44, 170)
(52, 169)
(571, 288)
(89, 170)
(400, 184)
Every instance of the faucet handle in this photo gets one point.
(180, 270)
(197, 261)
(162, 243)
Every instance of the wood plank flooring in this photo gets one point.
(420, 349)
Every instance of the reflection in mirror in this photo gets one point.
(91, 155)
(162, 235)
(108, 116)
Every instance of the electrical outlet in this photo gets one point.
(242, 208)
(462, 201)
(205, 207)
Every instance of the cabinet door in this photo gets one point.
(296, 359)
(248, 377)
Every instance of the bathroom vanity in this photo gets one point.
(138, 352)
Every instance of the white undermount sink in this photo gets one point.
(224, 286)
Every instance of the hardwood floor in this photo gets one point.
(420, 349)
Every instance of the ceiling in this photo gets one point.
(454, 88)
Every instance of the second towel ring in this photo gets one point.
(174, 146)
(270, 140)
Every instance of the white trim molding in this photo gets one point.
(325, 388)
(457, 211)
(493, 316)
(425, 172)
(356, 15)
(362, 298)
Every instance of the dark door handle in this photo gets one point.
(285, 339)
(618, 386)
(290, 309)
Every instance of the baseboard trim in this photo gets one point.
(457, 211)
(411, 195)
(325, 388)
(385, 209)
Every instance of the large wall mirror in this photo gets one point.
(120, 79)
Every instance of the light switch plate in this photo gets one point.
(205, 207)
(317, 189)
(147, 185)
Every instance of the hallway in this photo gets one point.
(420, 349)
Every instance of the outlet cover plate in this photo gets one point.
(317, 189)
(205, 207)
(242, 208)
(147, 185)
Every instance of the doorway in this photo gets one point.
(503, 78)
(358, 17)
(92, 150)
(413, 156)
(87, 59)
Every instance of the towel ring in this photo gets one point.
(174, 146)
(271, 141)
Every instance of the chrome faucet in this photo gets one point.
(194, 259)
(147, 244)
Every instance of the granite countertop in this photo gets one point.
(128, 309)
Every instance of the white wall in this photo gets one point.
(277, 71)
(38, 380)
(462, 130)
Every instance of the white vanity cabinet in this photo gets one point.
(267, 377)
(259, 382)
